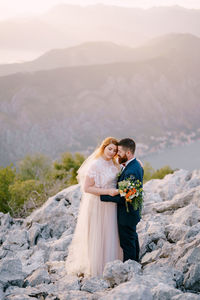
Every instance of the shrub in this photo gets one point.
(160, 173)
(151, 173)
(66, 169)
(36, 167)
(7, 177)
(25, 196)
(148, 171)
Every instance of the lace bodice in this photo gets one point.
(104, 173)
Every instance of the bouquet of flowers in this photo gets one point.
(132, 190)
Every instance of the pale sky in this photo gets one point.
(12, 8)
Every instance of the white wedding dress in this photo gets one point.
(95, 241)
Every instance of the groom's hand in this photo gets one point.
(108, 198)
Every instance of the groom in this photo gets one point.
(127, 221)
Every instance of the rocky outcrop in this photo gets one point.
(33, 250)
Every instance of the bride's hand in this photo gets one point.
(113, 192)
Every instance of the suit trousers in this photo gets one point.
(129, 242)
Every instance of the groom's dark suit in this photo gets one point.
(127, 221)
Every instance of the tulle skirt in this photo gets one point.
(95, 241)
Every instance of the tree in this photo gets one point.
(25, 195)
(7, 177)
(148, 171)
(66, 169)
(36, 167)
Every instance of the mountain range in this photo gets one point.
(138, 92)
(65, 26)
(92, 53)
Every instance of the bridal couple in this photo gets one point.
(105, 231)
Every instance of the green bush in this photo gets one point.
(34, 180)
(7, 177)
(160, 173)
(148, 171)
(25, 196)
(151, 173)
(37, 167)
(66, 168)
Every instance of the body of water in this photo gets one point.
(181, 157)
(8, 56)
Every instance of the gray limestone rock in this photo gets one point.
(192, 279)
(33, 250)
(95, 284)
(39, 276)
(11, 273)
(128, 291)
(117, 272)
(164, 292)
(17, 240)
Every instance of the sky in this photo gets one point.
(12, 8)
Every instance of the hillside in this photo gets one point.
(73, 108)
(168, 46)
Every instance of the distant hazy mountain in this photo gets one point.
(73, 108)
(84, 54)
(29, 33)
(123, 25)
(68, 25)
(106, 52)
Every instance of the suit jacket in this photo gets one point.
(132, 217)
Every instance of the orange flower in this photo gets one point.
(133, 191)
(128, 200)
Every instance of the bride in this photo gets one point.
(95, 241)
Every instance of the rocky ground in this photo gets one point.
(33, 250)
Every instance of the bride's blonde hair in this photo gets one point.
(107, 141)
